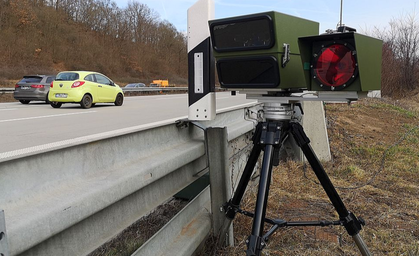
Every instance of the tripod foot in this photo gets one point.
(361, 245)
(255, 245)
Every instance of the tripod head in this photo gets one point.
(276, 111)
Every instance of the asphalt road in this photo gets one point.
(36, 125)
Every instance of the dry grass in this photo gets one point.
(375, 169)
(7, 97)
(127, 242)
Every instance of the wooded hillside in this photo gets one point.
(48, 36)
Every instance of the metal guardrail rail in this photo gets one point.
(7, 90)
(71, 199)
(138, 89)
(154, 89)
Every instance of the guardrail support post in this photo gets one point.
(4, 248)
(220, 183)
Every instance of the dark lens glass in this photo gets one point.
(252, 72)
(244, 34)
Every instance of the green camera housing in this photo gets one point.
(260, 51)
(354, 62)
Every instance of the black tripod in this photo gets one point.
(269, 136)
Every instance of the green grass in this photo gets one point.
(398, 109)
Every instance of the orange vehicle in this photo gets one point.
(161, 83)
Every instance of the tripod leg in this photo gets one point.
(361, 245)
(244, 180)
(255, 241)
(351, 223)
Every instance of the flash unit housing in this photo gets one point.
(260, 51)
(341, 61)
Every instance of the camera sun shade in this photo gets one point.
(342, 61)
(260, 51)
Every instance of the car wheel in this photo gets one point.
(119, 100)
(86, 101)
(47, 100)
(55, 104)
(24, 101)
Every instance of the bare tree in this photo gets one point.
(400, 56)
(89, 34)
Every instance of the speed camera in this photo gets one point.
(279, 52)
(260, 50)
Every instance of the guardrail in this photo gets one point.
(162, 89)
(154, 89)
(138, 89)
(70, 198)
(7, 90)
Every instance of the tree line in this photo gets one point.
(132, 43)
(46, 36)
(400, 70)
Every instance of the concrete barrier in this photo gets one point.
(314, 124)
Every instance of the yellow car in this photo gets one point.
(85, 88)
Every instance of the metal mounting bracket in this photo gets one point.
(286, 57)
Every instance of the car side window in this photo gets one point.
(102, 80)
(89, 78)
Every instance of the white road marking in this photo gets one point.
(8, 155)
(38, 117)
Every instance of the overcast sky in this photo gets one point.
(360, 14)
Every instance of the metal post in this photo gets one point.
(341, 10)
(220, 183)
(4, 248)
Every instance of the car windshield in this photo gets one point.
(31, 79)
(68, 76)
